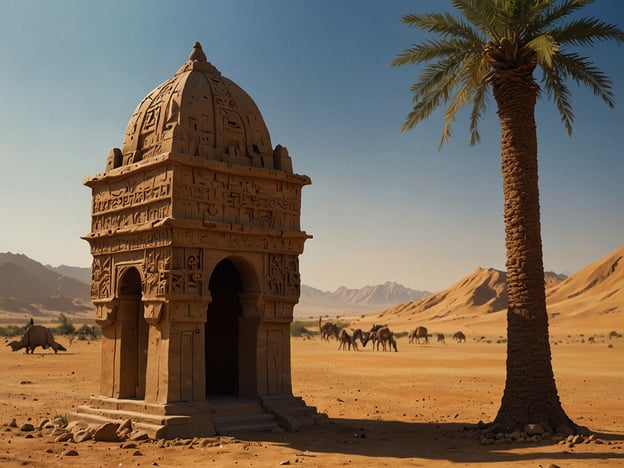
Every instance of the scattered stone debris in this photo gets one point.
(531, 434)
(27, 427)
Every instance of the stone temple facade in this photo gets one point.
(195, 237)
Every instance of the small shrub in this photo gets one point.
(341, 325)
(86, 330)
(61, 419)
(66, 327)
(298, 329)
(12, 330)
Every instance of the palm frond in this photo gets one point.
(554, 12)
(479, 104)
(585, 32)
(434, 76)
(482, 14)
(545, 48)
(430, 50)
(560, 94)
(470, 82)
(444, 24)
(582, 71)
(434, 87)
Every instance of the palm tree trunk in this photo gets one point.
(530, 394)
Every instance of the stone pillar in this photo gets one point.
(105, 317)
(273, 348)
(273, 359)
(186, 352)
(155, 313)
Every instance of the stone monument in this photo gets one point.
(195, 237)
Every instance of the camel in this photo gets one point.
(36, 335)
(459, 337)
(417, 334)
(328, 329)
(441, 338)
(384, 336)
(362, 336)
(346, 340)
(370, 335)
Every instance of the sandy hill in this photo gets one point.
(592, 297)
(479, 301)
(27, 286)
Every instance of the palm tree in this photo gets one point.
(497, 45)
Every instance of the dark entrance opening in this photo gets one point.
(134, 333)
(222, 330)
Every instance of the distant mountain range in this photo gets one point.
(27, 286)
(592, 295)
(344, 301)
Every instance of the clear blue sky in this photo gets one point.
(381, 207)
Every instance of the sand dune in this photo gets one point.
(593, 295)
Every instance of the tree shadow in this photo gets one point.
(455, 442)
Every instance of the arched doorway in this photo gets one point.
(134, 332)
(222, 330)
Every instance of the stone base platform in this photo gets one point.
(218, 415)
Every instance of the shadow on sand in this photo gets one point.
(453, 442)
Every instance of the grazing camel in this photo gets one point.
(370, 335)
(459, 337)
(383, 336)
(358, 334)
(392, 343)
(36, 335)
(441, 338)
(328, 329)
(417, 334)
(346, 341)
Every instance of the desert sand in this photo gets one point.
(417, 407)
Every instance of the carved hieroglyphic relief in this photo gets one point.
(101, 277)
(157, 267)
(282, 275)
(144, 198)
(238, 241)
(131, 242)
(263, 203)
(187, 271)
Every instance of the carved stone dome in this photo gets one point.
(200, 113)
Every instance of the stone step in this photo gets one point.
(117, 414)
(298, 411)
(233, 406)
(255, 422)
